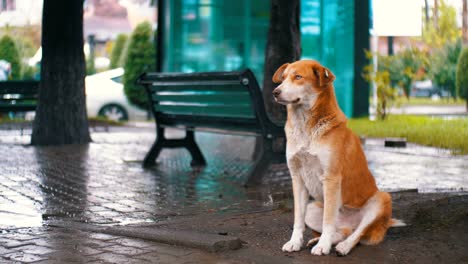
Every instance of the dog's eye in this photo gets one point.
(298, 77)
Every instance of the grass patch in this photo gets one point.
(98, 120)
(434, 132)
(15, 121)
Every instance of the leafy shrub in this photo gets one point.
(444, 65)
(117, 51)
(140, 58)
(9, 52)
(386, 93)
(462, 76)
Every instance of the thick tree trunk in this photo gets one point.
(61, 113)
(283, 45)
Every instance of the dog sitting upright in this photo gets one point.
(327, 162)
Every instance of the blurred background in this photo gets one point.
(412, 49)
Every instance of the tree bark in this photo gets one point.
(61, 112)
(283, 45)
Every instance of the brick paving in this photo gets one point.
(103, 183)
(57, 245)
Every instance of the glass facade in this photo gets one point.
(222, 35)
(215, 35)
(327, 30)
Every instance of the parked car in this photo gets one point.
(105, 97)
(426, 88)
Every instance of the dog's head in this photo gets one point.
(301, 82)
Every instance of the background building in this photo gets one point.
(218, 35)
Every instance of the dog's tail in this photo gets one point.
(396, 223)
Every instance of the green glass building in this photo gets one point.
(225, 35)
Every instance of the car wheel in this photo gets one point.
(114, 112)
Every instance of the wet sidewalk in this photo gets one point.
(103, 183)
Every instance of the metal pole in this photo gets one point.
(375, 60)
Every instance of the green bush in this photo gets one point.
(9, 52)
(443, 66)
(140, 58)
(462, 76)
(117, 51)
(386, 92)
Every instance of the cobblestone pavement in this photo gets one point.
(47, 245)
(103, 183)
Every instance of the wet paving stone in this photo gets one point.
(103, 183)
(22, 257)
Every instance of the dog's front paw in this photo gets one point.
(292, 245)
(322, 248)
(343, 248)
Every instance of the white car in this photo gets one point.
(105, 97)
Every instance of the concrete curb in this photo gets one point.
(205, 241)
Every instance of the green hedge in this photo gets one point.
(140, 58)
(117, 51)
(9, 52)
(462, 75)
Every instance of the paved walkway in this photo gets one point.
(103, 184)
(437, 110)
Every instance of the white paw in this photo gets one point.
(292, 245)
(343, 248)
(322, 248)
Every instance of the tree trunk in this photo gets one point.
(426, 12)
(61, 112)
(436, 14)
(283, 45)
(465, 22)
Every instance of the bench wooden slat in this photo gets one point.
(17, 97)
(194, 83)
(232, 98)
(198, 89)
(19, 87)
(206, 110)
(151, 77)
(17, 107)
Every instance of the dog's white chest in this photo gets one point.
(306, 157)
(306, 163)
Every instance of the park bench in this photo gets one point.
(226, 102)
(18, 96)
(21, 96)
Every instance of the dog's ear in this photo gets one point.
(324, 75)
(278, 76)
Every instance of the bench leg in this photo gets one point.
(192, 147)
(161, 142)
(152, 155)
